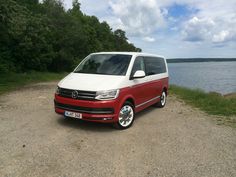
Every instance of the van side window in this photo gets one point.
(154, 65)
(138, 65)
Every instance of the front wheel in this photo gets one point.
(126, 116)
(162, 101)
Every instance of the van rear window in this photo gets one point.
(107, 64)
(154, 65)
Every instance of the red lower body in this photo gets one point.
(107, 116)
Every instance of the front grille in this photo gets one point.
(82, 95)
(84, 109)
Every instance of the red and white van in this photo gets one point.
(112, 87)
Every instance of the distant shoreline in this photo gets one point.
(188, 60)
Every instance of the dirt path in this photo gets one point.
(174, 141)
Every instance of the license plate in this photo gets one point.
(73, 114)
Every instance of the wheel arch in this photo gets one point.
(128, 98)
(131, 100)
(165, 90)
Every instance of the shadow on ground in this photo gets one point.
(97, 127)
(85, 125)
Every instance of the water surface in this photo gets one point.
(209, 76)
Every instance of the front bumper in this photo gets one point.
(97, 111)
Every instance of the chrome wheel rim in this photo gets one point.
(163, 98)
(126, 116)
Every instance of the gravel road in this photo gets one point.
(174, 141)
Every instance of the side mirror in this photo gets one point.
(139, 74)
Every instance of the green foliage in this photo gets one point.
(46, 37)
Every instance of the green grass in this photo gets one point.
(12, 81)
(211, 103)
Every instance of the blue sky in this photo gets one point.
(173, 28)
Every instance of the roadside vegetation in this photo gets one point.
(12, 81)
(211, 103)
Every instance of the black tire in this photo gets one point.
(127, 119)
(162, 101)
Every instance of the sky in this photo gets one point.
(172, 28)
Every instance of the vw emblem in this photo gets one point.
(74, 94)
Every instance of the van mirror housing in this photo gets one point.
(139, 74)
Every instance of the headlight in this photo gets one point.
(107, 95)
(57, 90)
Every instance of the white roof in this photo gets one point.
(130, 53)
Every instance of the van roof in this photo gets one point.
(130, 53)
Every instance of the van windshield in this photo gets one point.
(108, 64)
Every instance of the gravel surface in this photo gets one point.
(174, 141)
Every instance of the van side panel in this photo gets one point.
(156, 89)
(141, 91)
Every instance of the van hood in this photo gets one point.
(91, 82)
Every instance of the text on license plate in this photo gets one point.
(73, 114)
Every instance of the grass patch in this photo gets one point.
(211, 103)
(12, 81)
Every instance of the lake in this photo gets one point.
(209, 76)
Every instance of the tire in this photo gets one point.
(126, 116)
(162, 101)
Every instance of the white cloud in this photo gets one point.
(206, 29)
(149, 39)
(140, 17)
(67, 3)
(114, 22)
(224, 36)
(198, 29)
(221, 37)
(98, 8)
(214, 22)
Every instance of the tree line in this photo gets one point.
(43, 36)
